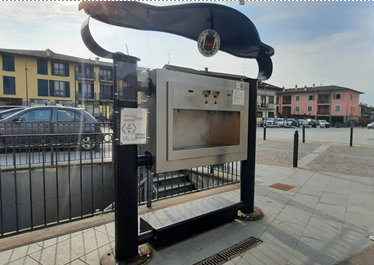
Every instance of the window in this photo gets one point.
(9, 83)
(271, 100)
(337, 107)
(310, 108)
(337, 96)
(59, 89)
(42, 66)
(352, 109)
(42, 88)
(37, 115)
(60, 69)
(259, 114)
(271, 114)
(297, 108)
(86, 90)
(86, 72)
(106, 92)
(69, 116)
(297, 98)
(311, 97)
(105, 75)
(8, 63)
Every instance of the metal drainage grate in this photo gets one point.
(231, 252)
(281, 186)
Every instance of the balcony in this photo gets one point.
(85, 76)
(87, 96)
(106, 78)
(286, 102)
(263, 105)
(323, 101)
(323, 113)
(106, 96)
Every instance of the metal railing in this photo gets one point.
(91, 95)
(106, 78)
(48, 179)
(85, 76)
(106, 96)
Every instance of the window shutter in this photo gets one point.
(67, 89)
(66, 66)
(51, 88)
(52, 64)
(11, 63)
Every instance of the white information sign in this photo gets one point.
(133, 126)
(238, 97)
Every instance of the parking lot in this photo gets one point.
(341, 136)
(325, 150)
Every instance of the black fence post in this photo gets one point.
(247, 168)
(264, 132)
(303, 134)
(295, 148)
(351, 138)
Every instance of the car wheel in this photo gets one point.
(87, 144)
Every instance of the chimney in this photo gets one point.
(314, 85)
(295, 87)
(206, 69)
(305, 88)
(48, 52)
(97, 59)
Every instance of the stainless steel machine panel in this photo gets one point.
(196, 120)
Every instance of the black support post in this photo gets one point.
(295, 148)
(264, 131)
(247, 170)
(351, 137)
(303, 134)
(126, 182)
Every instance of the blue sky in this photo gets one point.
(315, 42)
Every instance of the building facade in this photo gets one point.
(266, 101)
(33, 78)
(331, 103)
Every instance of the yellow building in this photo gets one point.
(29, 77)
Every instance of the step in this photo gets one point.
(164, 180)
(175, 188)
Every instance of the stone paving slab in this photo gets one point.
(324, 219)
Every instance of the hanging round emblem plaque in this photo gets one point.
(208, 43)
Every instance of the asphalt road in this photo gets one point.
(341, 136)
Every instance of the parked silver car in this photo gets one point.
(279, 121)
(6, 113)
(267, 122)
(291, 122)
(370, 125)
(62, 124)
(324, 124)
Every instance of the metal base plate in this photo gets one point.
(144, 257)
(255, 215)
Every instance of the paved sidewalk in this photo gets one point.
(325, 218)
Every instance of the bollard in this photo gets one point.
(295, 148)
(351, 140)
(264, 132)
(303, 134)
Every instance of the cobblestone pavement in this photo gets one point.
(280, 153)
(336, 158)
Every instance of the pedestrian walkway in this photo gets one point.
(324, 218)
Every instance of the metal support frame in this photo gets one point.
(247, 169)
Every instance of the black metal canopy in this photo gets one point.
(238, 34)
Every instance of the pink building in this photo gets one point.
(331, 103)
